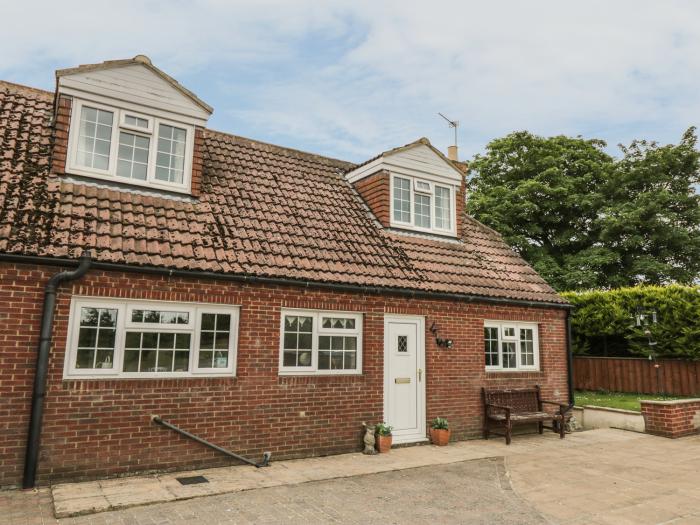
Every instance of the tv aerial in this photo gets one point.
(452, 123)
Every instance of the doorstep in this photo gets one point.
(74, 499)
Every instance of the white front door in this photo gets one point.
(404, 377)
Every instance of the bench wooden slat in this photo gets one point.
(507, 406)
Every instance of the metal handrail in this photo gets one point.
(266, 455)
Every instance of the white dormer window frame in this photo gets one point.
(419, 188)
(422, 186)
(135, 137)
(134, 121)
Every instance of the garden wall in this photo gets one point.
(663, 376)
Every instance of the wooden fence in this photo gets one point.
(620, 374)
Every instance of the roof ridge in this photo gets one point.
(283, 148)
(15, 85)
(346, 163)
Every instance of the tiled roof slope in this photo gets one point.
(264, 211)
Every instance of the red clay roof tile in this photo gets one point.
(264, 210)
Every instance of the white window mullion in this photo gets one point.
(314, 342)
(121, 330)
(500, 347)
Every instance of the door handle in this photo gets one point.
(420, 374)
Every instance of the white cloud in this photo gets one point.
(350, 78)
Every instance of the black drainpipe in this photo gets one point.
(569, 359)
(42, 365)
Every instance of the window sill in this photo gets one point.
(311, 379)
(514, 374)
(317, 374)
(426, 231)
(514, 371)
(143, 377)
(127, 183)
(74, 384)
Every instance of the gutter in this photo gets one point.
(31, 460)
(281, 281)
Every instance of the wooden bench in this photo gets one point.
(504, 408)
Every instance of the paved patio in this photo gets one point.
(594, 477)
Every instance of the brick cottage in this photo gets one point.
(259, 297)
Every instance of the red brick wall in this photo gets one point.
(375, 191)
(95, 428)
(197, 161)
(61, 128)
(672, 418)
(461, 200)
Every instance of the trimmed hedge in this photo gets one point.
(602, 322)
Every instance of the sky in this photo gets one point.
(349, 79)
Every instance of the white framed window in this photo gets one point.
(170, 162)
(511, 346)
(320, 342)
(423, 205)
(443, 208)
(95, 137)
(141, 339)
(402, 200)
(107, 142)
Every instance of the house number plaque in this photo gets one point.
(402, 380)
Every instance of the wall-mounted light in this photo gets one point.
(441, 343)
(444, 343)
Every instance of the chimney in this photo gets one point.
(452, 153)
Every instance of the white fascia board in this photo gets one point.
(365, 170)
(443, 173)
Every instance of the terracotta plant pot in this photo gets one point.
(439, 436)
(383, 444)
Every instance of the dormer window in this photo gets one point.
(422, 205)
(128, 122)
(124, 146)
(414, 187)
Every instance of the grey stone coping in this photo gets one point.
(610, 409)
(672, 401)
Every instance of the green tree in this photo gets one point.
(544, 196)
(585, 220)
(651, 218)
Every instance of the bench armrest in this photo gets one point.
(563, 407)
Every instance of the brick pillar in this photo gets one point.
(672, 418)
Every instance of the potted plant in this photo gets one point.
(439, 431)
(384, 437)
